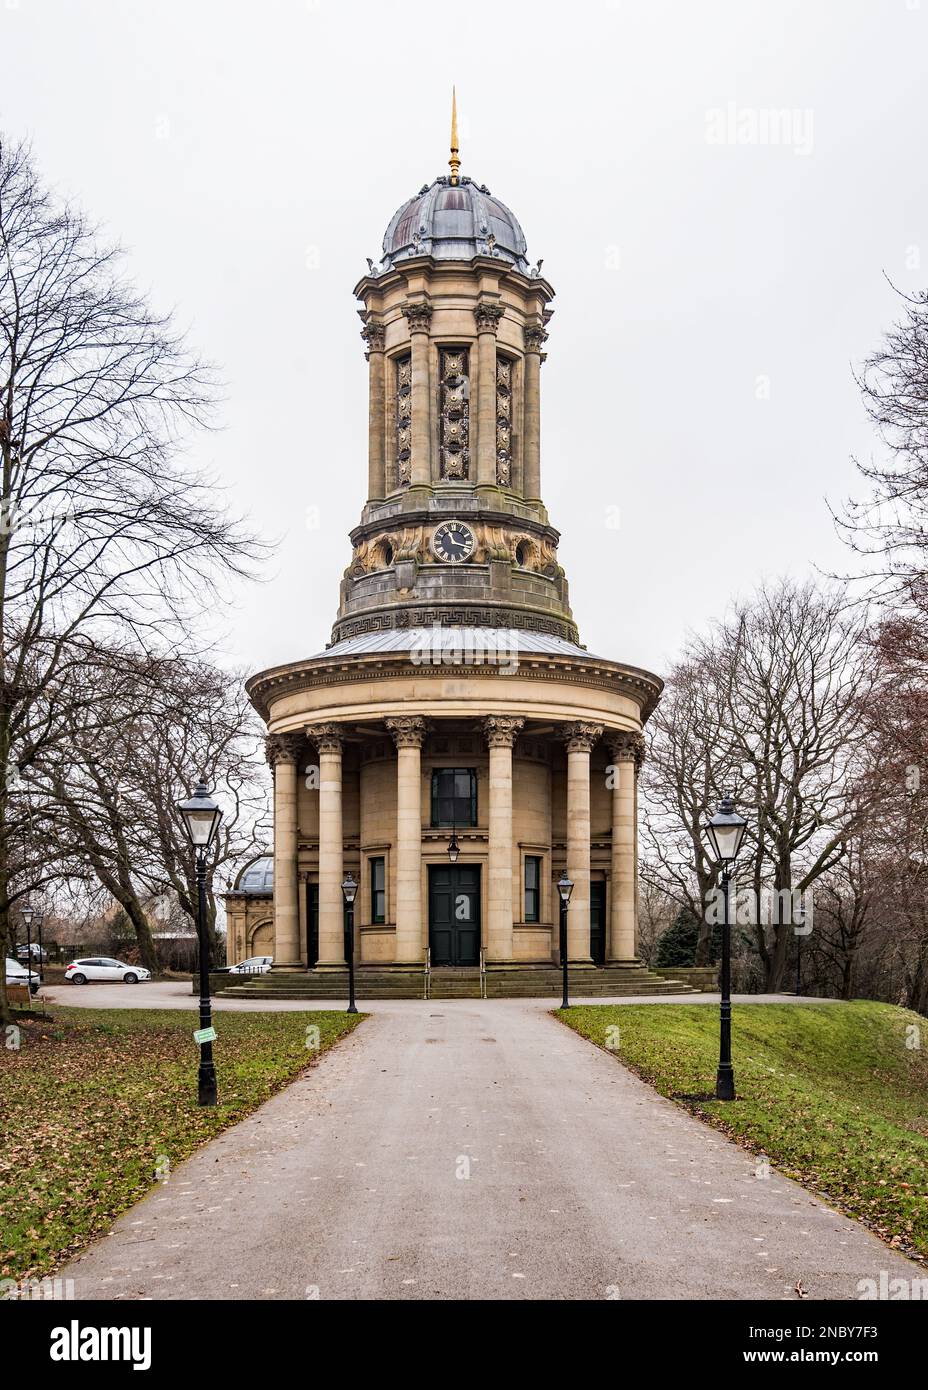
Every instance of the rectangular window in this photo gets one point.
(454, 796)
(532, 888)
(378, 890)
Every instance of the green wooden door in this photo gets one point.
(454, 914)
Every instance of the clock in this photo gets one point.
(453, 542)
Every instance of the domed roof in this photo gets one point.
(257, 877)
(454, 222)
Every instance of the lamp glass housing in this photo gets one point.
(201, 816)
(349, 888)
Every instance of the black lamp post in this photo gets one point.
(349, 893)
(27, 915)
(565, 887)
(201, 817)
(725, 831)
(799, 935)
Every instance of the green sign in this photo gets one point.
(203, 1035)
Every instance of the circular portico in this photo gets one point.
(383, 747)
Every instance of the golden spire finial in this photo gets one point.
(454, 161)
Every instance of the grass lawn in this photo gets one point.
(830, 1093)
(94, 1099)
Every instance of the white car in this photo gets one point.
(104, 968)
(254, 965)
(18, 974)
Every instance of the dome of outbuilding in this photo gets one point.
(454, 221)
(256, 877)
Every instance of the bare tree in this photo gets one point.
(104, 530)
(770, 706)
(889, 528)
(154, 725)
(688, 767)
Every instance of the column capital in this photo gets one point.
(628, 747)
(418, 316)
(282, 748)
(502, 730)
(408, 730)
(581, 736)
(488, 317)
(375, 336)
(535, 338)
(328, 738)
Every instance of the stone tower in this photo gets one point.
(454, 747)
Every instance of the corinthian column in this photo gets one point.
(374, 335)
(488, 317)
(531, 453)
(580, 739)
(419, 317)
(409, 735)
(282, 754)
(627, 752)
(501, 733)
(328, 741)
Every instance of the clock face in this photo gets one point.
(453, 542)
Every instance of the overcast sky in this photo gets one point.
(717, 275)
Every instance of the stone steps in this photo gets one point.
(528, 982)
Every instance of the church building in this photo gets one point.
(455, 747)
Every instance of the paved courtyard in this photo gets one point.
(467, 1150)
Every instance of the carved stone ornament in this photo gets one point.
(374, 334)
(502, 730)
(419, 316)
(535, 338)
(282, 748)
(408, 730)
(328, 738)
(581, 737)
(488, 317)
(627, 748)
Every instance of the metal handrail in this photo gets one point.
(427, 986)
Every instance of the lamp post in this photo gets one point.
(27, 915)
(565, 887)
(725, 831)
(201, 817)
(349, 893)
(799, 935)
(39, 921)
